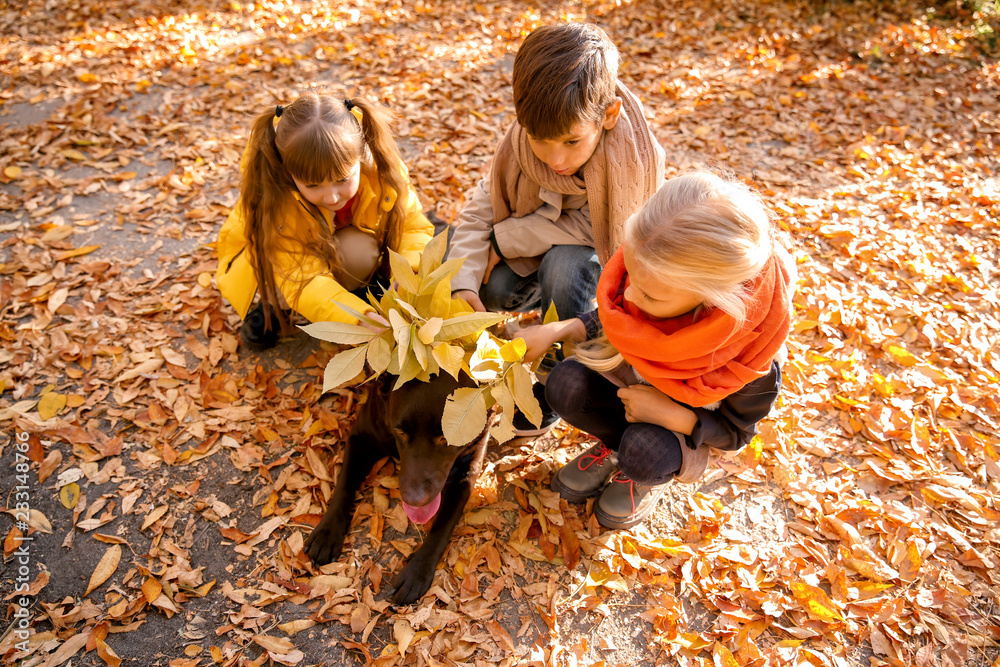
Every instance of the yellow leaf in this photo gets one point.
(339, 332)
(105, 568)
(410, 370)
(901, 356)
(440, 305)
(69, 495)
(12, 171)
(344, 367)
(74, 154)
(433, 254)
(85, 77)
(551, 315)
(429, 330)
(419, 350)
(402, 273)
(449, 357)
(817, 603)
(468, 324)
(442, 275)
(504, 429)
(520, 384)
(205, 279)
(50, 404)
(600, 574)
(513, 350)
(379, 353)
(464, 416)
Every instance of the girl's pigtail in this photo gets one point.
(376, 130)
(262, 186)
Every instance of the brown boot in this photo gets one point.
(585, 475)
(625, 503)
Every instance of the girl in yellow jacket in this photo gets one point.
(323, 194)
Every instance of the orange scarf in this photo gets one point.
(701, 357)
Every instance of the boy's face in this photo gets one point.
(567, 154)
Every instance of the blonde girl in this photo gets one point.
(683, 354)
(323, 194)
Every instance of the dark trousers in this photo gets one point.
(647, 453)
(567, 278)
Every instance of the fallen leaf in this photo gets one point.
(105, 568)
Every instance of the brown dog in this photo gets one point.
(435, 479)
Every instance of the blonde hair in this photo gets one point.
(315, 138)
(703, 234)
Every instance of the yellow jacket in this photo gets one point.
(294, 268)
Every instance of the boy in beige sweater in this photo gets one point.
(565, 177)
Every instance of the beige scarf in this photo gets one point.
(626, 168)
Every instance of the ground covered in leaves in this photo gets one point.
(167, 477)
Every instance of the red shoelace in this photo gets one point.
(597, 458)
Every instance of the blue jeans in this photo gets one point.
(647, 453)
(567, 277)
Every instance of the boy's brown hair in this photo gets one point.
(563, 74)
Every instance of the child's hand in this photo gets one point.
(649, 405)
(539, 339)
(492, 262)
(471, 298)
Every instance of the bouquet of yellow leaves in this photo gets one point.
(430, 331)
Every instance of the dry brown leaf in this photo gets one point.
(105, 568)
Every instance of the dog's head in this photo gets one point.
(425, 458)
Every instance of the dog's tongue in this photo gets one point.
(425, 513)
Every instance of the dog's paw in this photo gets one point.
(412, 581)
(324, 546)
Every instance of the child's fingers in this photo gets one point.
(472, 299)
(490, 264)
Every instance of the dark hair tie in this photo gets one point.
(349, 104)
(278, 110)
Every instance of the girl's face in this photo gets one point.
(653, 294)
(331, 195)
